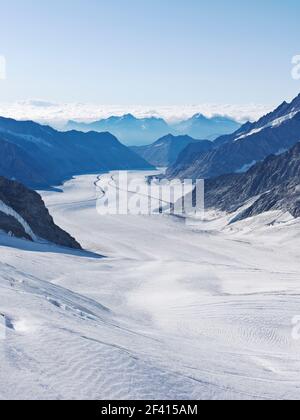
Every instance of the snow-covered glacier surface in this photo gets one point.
(173, 311)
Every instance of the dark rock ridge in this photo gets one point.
(39, 156)
(253, 142)
(29, 205)
(273, 184)
(165, 151)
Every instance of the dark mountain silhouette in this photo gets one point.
(165, 151)
(40, 156)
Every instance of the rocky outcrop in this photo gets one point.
(10, 225)
(23, 214)
(273, 184)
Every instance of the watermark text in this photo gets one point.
(296, 67)
(120, 194)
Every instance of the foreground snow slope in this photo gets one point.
(172, 312)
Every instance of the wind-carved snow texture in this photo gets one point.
(172, 312)
(4, 208)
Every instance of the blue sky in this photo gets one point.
(150, 51)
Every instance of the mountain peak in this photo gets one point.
(296, 102)
(128, 117)
(199, 117)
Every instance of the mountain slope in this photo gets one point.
(40, 156)
(273, 184)
(165, 151)
(127, 128)
(23, 214)
(272, 134)
(15, 162)
(188, 156)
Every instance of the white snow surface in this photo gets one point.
(174, 311)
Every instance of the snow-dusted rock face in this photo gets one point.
(23, 214)
(15, 219)
(274, 183)
(253, 142)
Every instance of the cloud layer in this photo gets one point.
(58, 113)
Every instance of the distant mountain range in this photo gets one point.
(128, 129)
(23, 214)
(207, 128)
(134, 131)
(165, 151)
(273, 184)
(237, 152)
(40, 156)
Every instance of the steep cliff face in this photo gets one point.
(273, 184)
(23, 214)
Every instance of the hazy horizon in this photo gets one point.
(58, 114)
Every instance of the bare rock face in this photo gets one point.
(28, 215)
(273, 183)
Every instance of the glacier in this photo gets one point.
(173, 311)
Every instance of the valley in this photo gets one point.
(153, 309)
